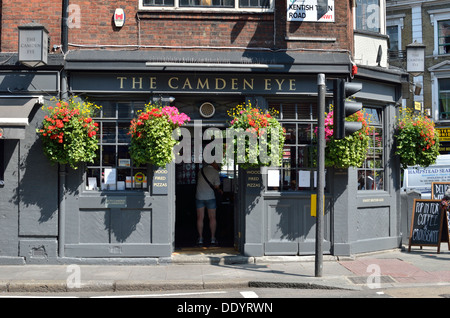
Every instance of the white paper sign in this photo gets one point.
(310, 10)
(273, 178)
(304, 178)
(110, 176)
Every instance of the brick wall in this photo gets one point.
(91, 25)
(20, 12)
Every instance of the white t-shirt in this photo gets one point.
(204, 191)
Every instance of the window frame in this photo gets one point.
(236, 9)
(116, 120)
(441, 118)
(435, 17)
(396, 21)
(381, 19)
(382, 126)
(297, 145)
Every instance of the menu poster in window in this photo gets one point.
(426, 224)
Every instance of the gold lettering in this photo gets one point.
(203, 85)
(292, 84)
(170, 83)
(268, 84)
(234, 83)
(247, 83)
(137, 82)
(279, 83)
(187, 83)
(152, 82)
(121, 78)
(223, 83)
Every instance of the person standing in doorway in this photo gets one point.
(205, 199)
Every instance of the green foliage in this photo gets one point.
(68, 133)
(417, 140)
(350, 151)
(151, 135)
(259, 137)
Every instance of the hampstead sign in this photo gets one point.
(185, 83)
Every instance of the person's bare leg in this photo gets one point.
(200, 216)
(212, 222)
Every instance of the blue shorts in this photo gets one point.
(210, 204)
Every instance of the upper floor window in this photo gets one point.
(367, 15)
(444, 37)
(394, 26)
(264, 5)
(440, 20)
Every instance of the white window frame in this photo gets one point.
(396, 21)
(436, 16)
(436, 74)
(176, 7)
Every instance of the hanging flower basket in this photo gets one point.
(151, 135)
(257, 137)
(68, 133)
(417, 140)
(350, 151)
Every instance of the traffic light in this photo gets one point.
(344, 108)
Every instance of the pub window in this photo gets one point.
(204, 4)
(297, 171)
(113, 168)
(367, 15)
(372, 174)
(444, 98)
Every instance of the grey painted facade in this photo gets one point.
(47, 216)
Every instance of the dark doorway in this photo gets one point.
(186, 214)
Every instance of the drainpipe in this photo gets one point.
(62, 168)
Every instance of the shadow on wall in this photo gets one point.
(38, 183)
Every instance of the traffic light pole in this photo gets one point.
(320, 174)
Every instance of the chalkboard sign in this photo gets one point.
(426, 223)
(438, 190)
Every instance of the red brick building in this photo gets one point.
(193, 54)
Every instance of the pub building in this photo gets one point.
(111, 209)
(114, 211)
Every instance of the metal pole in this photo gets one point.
(320, 174)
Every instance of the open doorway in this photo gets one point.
(186, 176)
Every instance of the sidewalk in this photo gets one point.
(215, 270)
